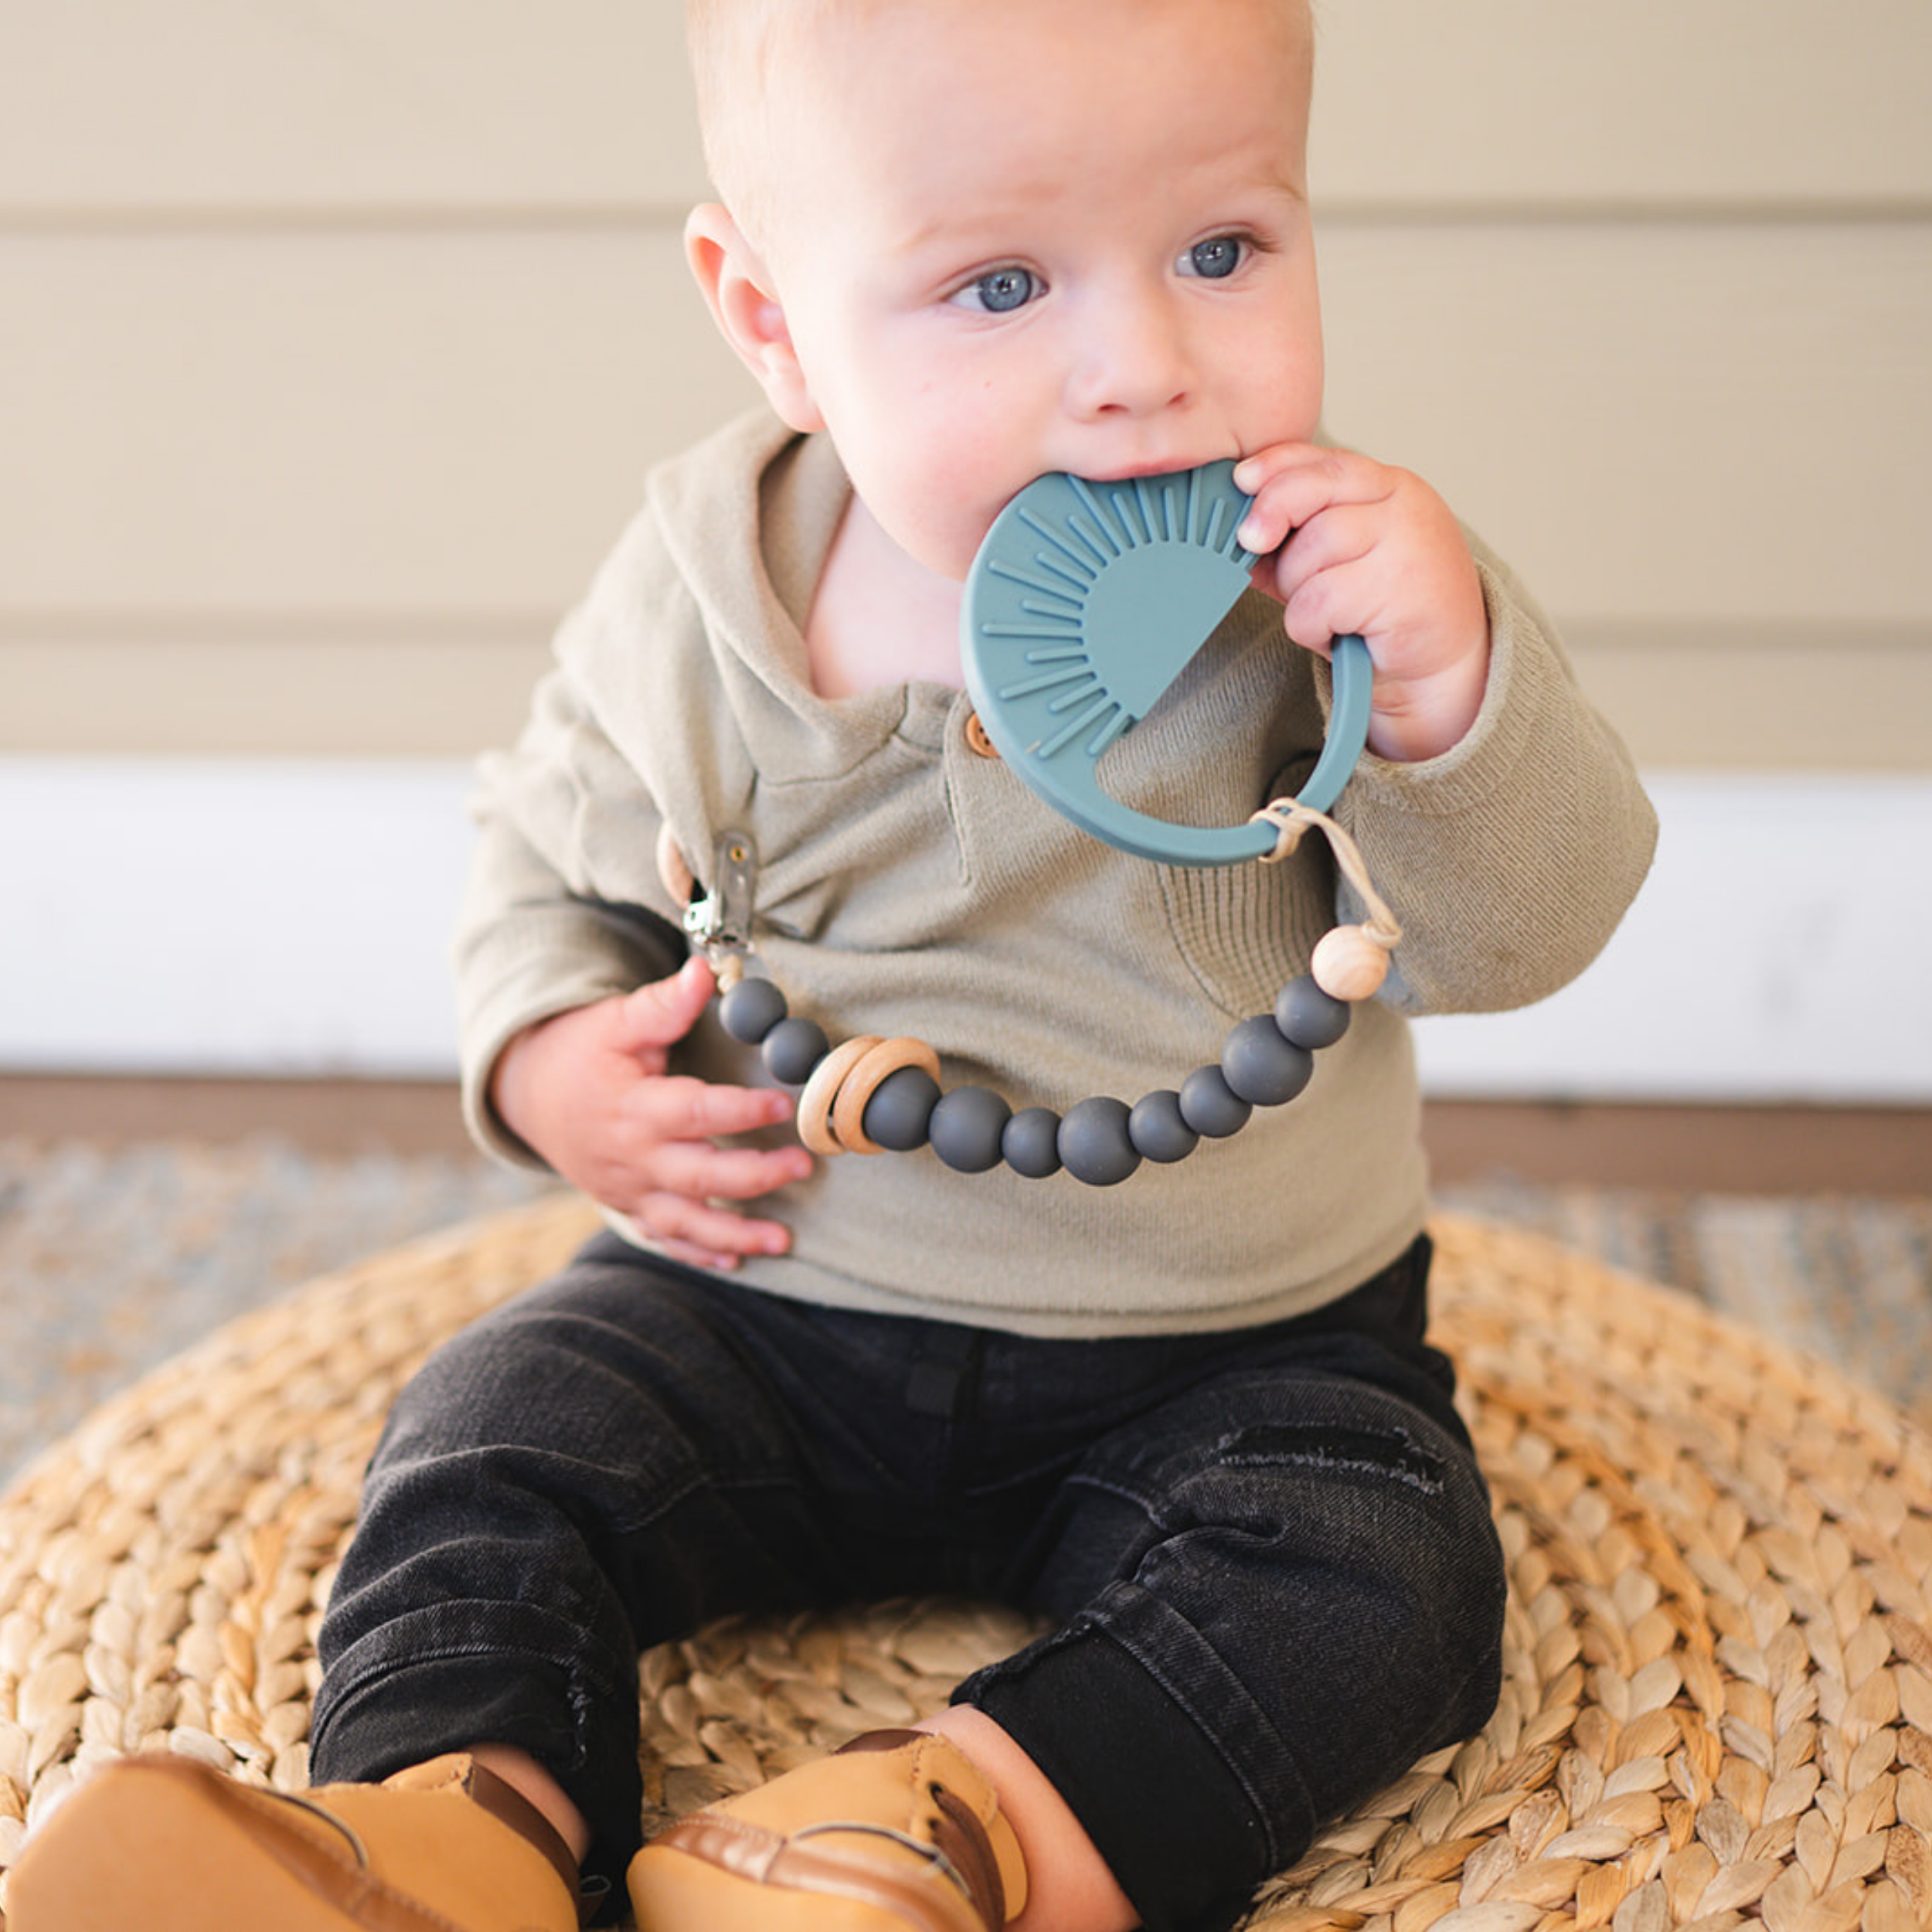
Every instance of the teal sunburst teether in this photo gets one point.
(1085, 602)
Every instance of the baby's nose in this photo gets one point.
(1132, 359)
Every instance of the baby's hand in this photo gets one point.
(1351, 545)
(589, 1091)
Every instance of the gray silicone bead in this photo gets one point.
(1262, 1067)
(966, 1127)
(1309, 1017)
(1094, 1142)
(792, 1049)
(750, 1010)
(1158, 1130)
(900, 1110)
(1210, 1106)
(1030, 1142)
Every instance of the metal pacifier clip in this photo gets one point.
(1084, 604)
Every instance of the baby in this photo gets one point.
(1193, 1419)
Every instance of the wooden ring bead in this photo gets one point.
(817, 1125)
(882, 1059)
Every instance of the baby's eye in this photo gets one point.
(1001, 292)
(1219, 255)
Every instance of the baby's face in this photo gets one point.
(1010, 236)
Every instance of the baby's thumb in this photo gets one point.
(663, 1012)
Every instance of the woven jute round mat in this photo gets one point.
(1717, 1705)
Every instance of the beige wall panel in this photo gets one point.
(1692, 700)
(1687, 699)
(1654, 102)
(1711, 424)
(452, 422)
(303, 454)
(368, 696)
(227, 105)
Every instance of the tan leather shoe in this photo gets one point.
(898, 1832)
(160, 1843)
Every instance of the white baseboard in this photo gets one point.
(292, 918)
(228, 916)
(1780, 950)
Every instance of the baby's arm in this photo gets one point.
(573, 993)
(1498, 814)
(1509, 860)
(590, 1090)
(1349, 545)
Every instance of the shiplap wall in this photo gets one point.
(335, 338)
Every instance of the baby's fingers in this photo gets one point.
(681, 1108)
(687, 1130)
(700, 1171)
(1294, 484)
(703, 1235)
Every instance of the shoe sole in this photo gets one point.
(673, 1891)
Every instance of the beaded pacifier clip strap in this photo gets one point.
(1085, 603)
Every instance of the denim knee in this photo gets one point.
(555, 1489)
(1307, 1596)
(1349, 1559)
(468, 1609)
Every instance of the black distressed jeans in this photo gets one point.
(1268, 1551)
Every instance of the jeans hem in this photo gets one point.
(1105, 1726)
(426, 1685)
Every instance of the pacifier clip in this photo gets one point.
(871, 1095)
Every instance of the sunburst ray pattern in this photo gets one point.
(1087, 600)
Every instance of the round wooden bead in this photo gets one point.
(1262, 1067)
(1094, 1143)
(1156, 1127)
(966, 1127)
(1308, 1016)
(1349, 965)
(792, 1049)
(751, 1009)
(1030, 1143)
(1210, 1106)
(882, 1060)
(899, 1113)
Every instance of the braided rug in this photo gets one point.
(1717, 1705)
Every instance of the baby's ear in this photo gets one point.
(743, 301)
